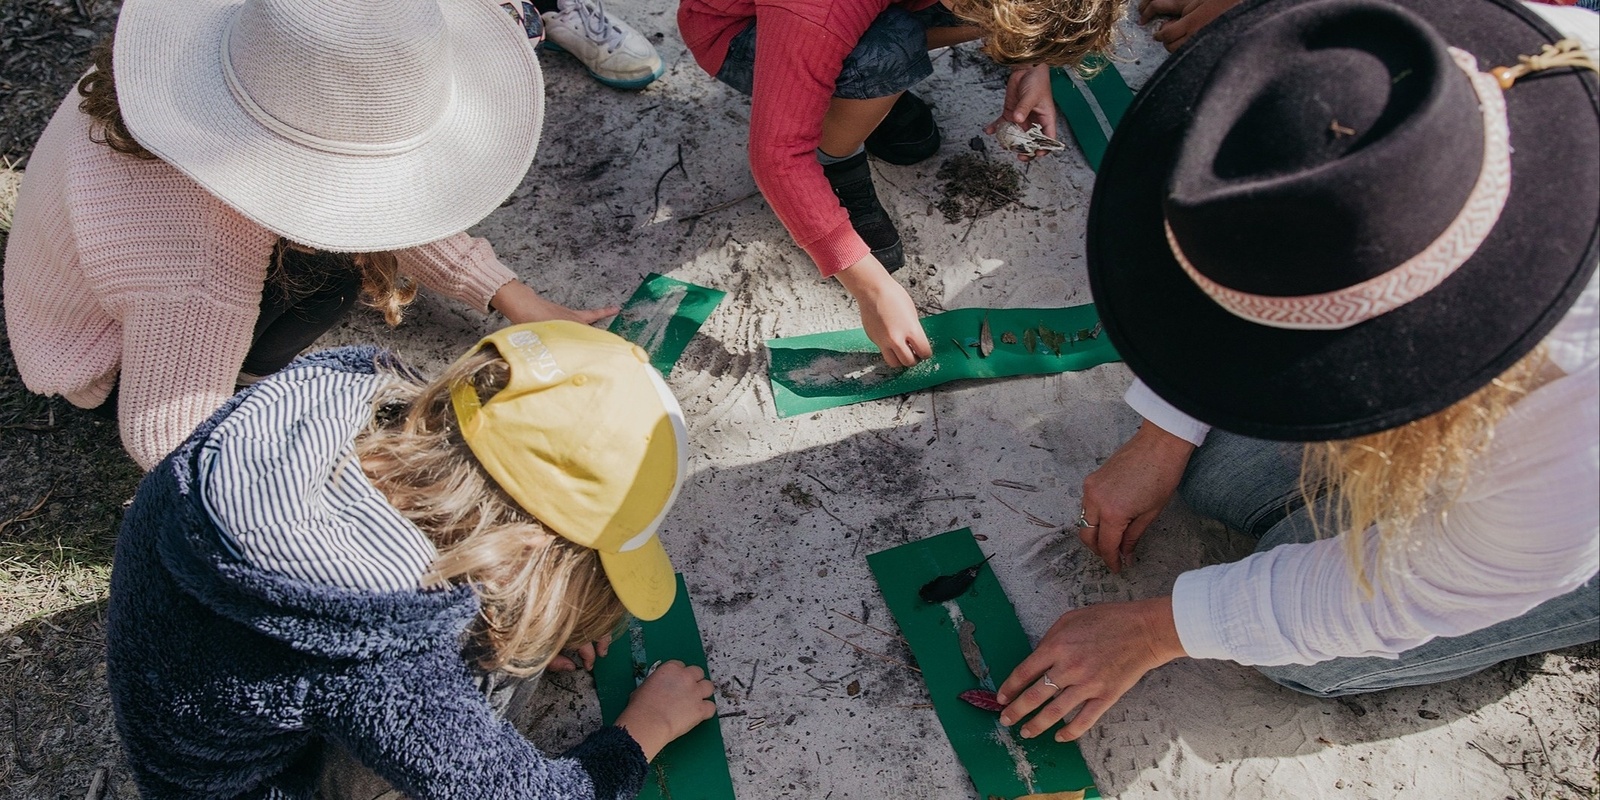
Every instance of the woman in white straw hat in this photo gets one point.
(238, 174)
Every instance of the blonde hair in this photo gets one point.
(539, 593)
(1395, 478)
(1053, 32)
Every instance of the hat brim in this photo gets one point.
(1298, 385)
(176, 103)
(643, 579)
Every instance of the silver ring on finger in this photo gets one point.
(1051, 683)
(1083, 522)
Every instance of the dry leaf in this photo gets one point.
(853, 689)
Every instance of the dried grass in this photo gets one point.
(10, 182)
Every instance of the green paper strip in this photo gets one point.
(1108, 87)
(695, 765)
(1080, 116)
(826, 370)
(1110, 93)
(997, 758)
(663, 315)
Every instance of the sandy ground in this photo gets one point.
(774, 526)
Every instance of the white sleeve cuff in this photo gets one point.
(1161, 414)
(1191, 614)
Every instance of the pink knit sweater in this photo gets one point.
(120, 265)
(802, 47)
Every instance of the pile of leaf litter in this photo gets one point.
(975, 186)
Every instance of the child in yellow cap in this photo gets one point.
(335, 555)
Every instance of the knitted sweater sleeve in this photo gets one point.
(460, 267)
(182, 272)
(797, 63)
(422, 725)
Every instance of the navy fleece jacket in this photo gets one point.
(227, 678)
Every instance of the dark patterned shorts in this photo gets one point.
(891, 57)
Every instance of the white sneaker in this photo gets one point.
(614, 53)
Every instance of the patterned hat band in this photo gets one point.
(1343, 308)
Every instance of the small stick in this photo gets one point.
(718, 207)
(866, 625)
(1026, 487)
(732, 714)
(30, 513)
(676, 165)
(861, 649)
(751, 691)
(940, 497)
(962, 349)
(1340, 130)
(1031, 518)
(97, 785)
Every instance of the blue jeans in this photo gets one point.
(1253, 487)
(891, 57)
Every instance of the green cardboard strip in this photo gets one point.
(1001, 762)
(663, 315)
(694, 766)
(1108, 90)
(826, 370)
(1108, 87)
(1081, 120)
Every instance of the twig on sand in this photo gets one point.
(1031, 518)
(858, 648)
(676, 165)
(718, 207)
(1025, 487)
(29, 514)
(97, 785)
(864, 624)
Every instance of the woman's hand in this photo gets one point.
(1093, 655)
(887, 313)
(672, 700)
(520, 304)
(1122, 497)
(1028, 102)
(586, 653)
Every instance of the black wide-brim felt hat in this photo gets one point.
(1336, 141)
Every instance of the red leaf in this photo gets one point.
(982, 698)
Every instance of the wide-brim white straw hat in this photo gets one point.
(349, 126)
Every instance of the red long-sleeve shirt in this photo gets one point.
(803, 44)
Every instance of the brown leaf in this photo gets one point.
(853, 689)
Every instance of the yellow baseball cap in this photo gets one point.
(588, 439)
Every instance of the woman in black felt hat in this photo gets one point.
(1355, 243)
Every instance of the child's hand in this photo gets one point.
(672, 700)
(520, 303)
(1028, 102)
(1192, 15)
(887, 313)
(587, 653)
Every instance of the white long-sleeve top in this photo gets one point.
(1526, 529)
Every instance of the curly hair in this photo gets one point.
(539, 593)
(99, 90)
(1051, 32)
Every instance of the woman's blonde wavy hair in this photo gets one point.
(540, 594)
(382, 286)
(1052, 32)
(1395, 478)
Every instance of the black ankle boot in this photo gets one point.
(908, 134)
(852, 184)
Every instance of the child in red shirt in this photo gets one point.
(827, 86)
